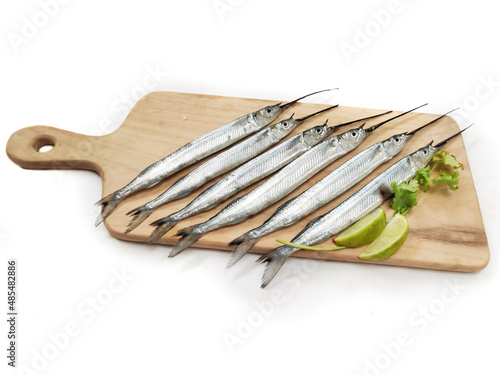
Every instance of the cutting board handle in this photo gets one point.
(30, 148)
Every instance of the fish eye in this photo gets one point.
(354, 134)
(425, 152)
(318, 130)
(397, 139)
(285, 124)
(268, 110)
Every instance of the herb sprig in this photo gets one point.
(406, 194)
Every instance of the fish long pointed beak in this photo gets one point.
(442, 143)
(285, 106)
(359, 119)
(316, 113)
(372, 128)
(429, 123)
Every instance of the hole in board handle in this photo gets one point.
(45, 148)
(43, 144)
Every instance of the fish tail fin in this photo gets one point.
(139, 215)
(275, 260)
(162, 226)
(189, 236)
(108, 204)
(243, 244)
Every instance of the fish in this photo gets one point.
(324, 191)
(365, 200)
(247, 174)
(193, 151)
(279, 185)
(227, 160)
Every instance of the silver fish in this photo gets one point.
(249, 173)
(352, 209)
(278, 186)
(324, 191)
(193, 151)
(220, 164)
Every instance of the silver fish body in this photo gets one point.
(337, 182)
(249, 173)
(352, 209)
(188, 154)
(194, 151)
(276, 187)
(227, 160)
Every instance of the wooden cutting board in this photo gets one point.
(446, 229)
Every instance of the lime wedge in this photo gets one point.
(389, 241)
(364, 231)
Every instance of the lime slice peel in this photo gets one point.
(364, 231)
(389, 241)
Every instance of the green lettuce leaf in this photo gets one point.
(447, 159)
(405, 196)
(450, 179)
(423, 178)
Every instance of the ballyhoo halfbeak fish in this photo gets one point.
(225, 161)
(199, 148)
(353, 208)
(279, 185)
(247, 174)
(324, 191)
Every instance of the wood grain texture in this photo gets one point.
(446, 229)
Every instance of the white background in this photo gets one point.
(175, 315)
